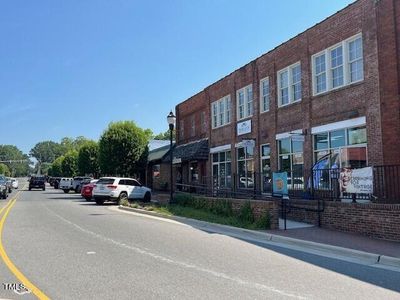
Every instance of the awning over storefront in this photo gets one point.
(197, 150)
(158, 154)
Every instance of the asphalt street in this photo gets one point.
(72, 249)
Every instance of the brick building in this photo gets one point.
(331, 90)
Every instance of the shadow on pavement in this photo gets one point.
(380, 277)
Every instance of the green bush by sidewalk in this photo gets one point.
(210, 210)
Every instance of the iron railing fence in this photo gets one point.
(317, 184)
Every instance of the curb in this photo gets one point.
(365, 257)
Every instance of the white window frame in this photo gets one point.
(248, 106)
(289, 70)
(265, 98)
(328, 65)
(216, 112)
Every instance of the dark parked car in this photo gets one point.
(37, 182)
(3, 187)
(9, 184)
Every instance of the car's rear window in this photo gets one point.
(105, 181)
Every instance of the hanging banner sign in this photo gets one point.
(279, 184)
(356, 181)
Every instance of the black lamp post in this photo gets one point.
(171, 122)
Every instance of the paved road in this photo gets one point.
(70, 249)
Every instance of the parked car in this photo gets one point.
(9, 184)
(3, 187)
(118, 189)
(87, 189)
(38, 182)
(77, 183)
(65, 184)
(14, 183)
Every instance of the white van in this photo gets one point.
(66, 184)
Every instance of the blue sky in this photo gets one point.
(68, 68)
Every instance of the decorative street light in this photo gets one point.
(171, 122)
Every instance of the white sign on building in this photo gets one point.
(244, 127)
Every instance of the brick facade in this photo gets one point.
(380, 221)
(376, 97)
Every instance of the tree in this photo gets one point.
(55, 169)
(46, 151)
(69, 165)
(16, 161)
(4, 170)
(120, 148)
(165, 136)
(88, 159)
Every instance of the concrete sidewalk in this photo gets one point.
(345, 246)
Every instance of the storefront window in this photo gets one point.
(222, 169)
(266, 169)
(339, 148)
(357, 135)
(156, 171)
(290, 152)
(194, 172)
(245, 167)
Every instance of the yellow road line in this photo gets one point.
(21, 277)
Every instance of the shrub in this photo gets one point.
(124, 202)
(264, 222)
(246, 213)
(222, 207)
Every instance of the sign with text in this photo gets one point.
(279, 183)
(243, 127)
(356, 181)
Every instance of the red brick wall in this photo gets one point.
(380, 221)
(376, 97)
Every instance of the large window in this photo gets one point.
(264, 95)
(181, 129)
(221, 112)
(339, 65)
(344, 147)
(222, 169)
(244, 100)
(289, 84)
(266, 174)
(193, 126)
(290, 153)
(245, 167)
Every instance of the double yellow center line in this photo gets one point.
(17, 273)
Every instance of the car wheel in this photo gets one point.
(99, 201)
(77, 189)
(30, 188)
(88, 199)
(122, 197)
(66, 191)
(147, 197)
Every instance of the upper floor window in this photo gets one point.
(264, 94)
(221, 112)
(338, 66)
(244, 98)
(193, 126)
(181, 130)
(203, 121)
(289, 84)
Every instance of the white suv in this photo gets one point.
(65, 184)
(117, 189)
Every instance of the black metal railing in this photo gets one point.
(316, 184)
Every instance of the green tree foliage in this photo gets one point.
(69, 165)
(88, 159)
(4, 170)
(121, 147)
(16, 161)
(55, 169)
(165, 136)
(46, 151)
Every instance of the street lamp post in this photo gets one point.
(171, 123)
